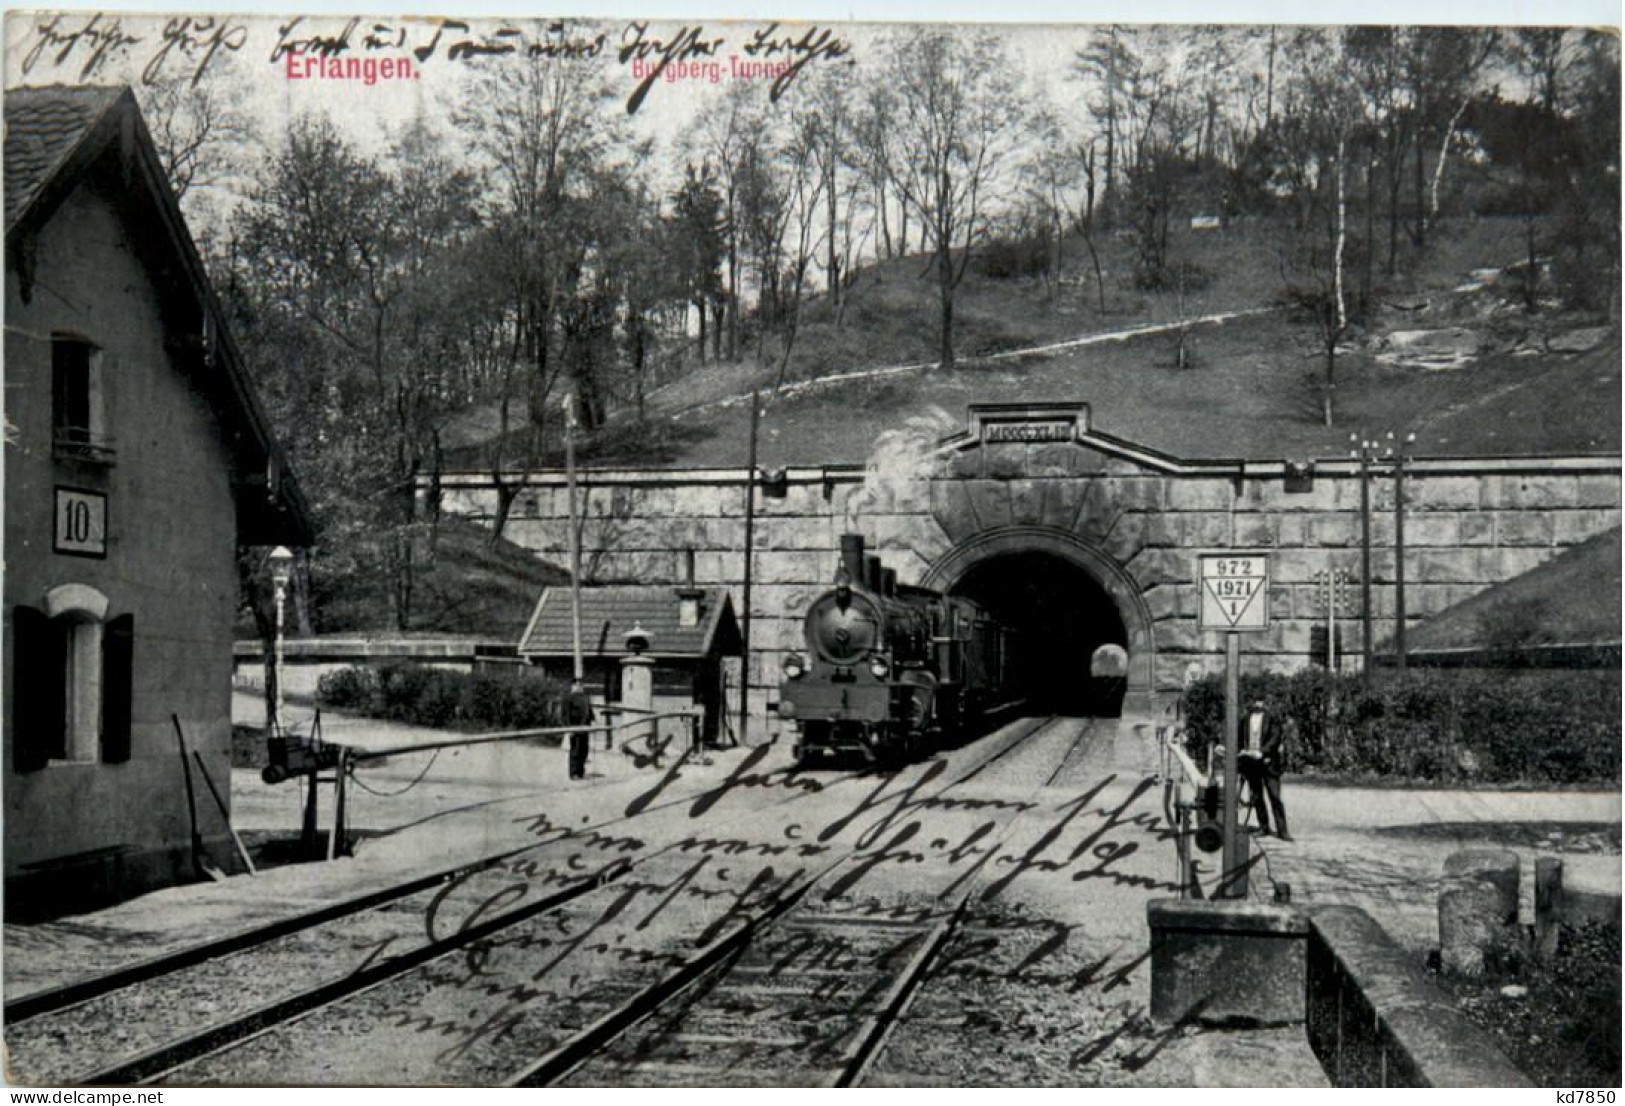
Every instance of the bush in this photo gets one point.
(354, 689)
(1432, 725)
(1025, 255)
(1173, 276)
(421, 695)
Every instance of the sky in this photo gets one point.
(414, 73)
(40, 48)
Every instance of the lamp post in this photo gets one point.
(281, 565)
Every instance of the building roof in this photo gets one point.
(44, 126)
(58, 136)
(607, 613)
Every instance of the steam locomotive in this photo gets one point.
(890, 670)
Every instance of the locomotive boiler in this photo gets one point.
(890, 671)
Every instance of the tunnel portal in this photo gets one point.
(1062, 616)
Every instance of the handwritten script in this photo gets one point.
(86, 46)
(705, 883)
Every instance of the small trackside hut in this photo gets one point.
(691, 631)
(137, 461)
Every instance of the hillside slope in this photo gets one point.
(1253, 391)
(1573, 599)
(470, 587)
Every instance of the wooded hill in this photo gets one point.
(430, 303)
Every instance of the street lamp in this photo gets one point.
(281, 565)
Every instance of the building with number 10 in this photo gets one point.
(137, 460)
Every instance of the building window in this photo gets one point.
(71, 681)
(78, 401)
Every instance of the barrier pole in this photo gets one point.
(337, 833)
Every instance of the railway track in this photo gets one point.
(814, 994)
(164, 1009)
(168, 985)
(819, 989)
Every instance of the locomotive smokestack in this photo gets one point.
(852, 558)
(888, 581)
(871, 579)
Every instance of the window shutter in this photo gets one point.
(37, 677)
(118, 654)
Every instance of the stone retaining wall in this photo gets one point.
(1375, 1021)
(306, 661)
(1132, 520)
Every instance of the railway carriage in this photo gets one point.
(891, 670)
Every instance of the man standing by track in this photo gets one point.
(1258, 761)
(578, 712)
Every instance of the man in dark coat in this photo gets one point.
(1258, 760)
(578, 712)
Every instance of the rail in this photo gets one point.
(872, 1032)
(217, 1035)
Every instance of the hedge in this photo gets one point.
(1432, 725)
(443, 698)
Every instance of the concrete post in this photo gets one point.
(1478, 906)
(1548, 904)
(638, 694)
(1467, 927)
(1497, 867)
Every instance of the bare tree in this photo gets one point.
(199, 126)
(955, 118)
(1321, 117)
(726, 135)
(544, 131)
(1442, 65)
(345, 258)
(1109, 62)
(1050, 172)
(1086, 216)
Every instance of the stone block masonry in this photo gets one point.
(1227, 963)
(1131, 521)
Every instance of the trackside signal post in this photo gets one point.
(1235, 600)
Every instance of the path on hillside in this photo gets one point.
(1046, 350)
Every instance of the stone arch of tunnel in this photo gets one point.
(1068, 599)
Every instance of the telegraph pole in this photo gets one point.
(1366, 454)
(1334, 590)
(575, 536)
(1399, 551)
(750, 538)
(1363, 455)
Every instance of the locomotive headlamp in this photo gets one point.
(879, 667)
(793, 667)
